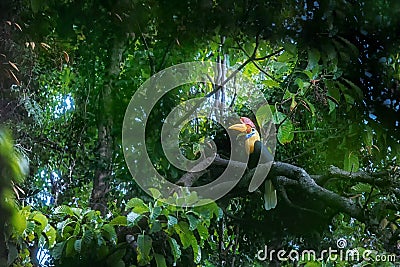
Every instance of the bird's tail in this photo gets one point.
(270, 198)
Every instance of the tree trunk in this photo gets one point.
(105, 142)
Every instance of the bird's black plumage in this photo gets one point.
(260, 155)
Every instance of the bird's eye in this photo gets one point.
(253, 130)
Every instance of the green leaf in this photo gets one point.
(310, 107)
(58, 249)
(351, 163)
(41, 219)
(160, 260)
(185, 234)
(78, 245)
(333, 91)
(352, 47)
(332, 106)
(285, 132)
(271, 83)
(77, 229)
(119, 221)
(19, 223)
(368, 137)
(116, 257)
(12, 254)
(63, 226)
(70, 247)
(286, 56)
(196, 251)
(278, 117)
(137, 205)
(109, 233)
(36, 5)
(356, 91)
(175, 248)
(155, 227)
(63, 210)
(51, 235)
(155, 212)
(172, 221)
(155, 193)
(203, 232)
(132, 218)
(361, 188)
(144, 243)
(313, 58)
(349, 99)
(313, 264)
(87, 237)
(193, 222)
(263, 115)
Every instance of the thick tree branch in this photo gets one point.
(290, 175)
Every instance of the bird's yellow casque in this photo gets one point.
(258, 153)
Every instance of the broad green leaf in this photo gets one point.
(155, 227)
(356, 91)
(19, 223)
(313, 58)
(41, 219)
(160, 260)
(51, 235)
(285, 132)
(271, 83)
(155, 193)
(278, 117)
(137, 205)
(196, 251)
(30, 227)
(116, 256)
(313, 264)
(361, 188)
(155, 212)
(58, 249)
(109, 233)
(203, 232)
(333, 91)
(77, 229)
(78, 245)
(332, 106)
(351, 163)
(186, 236)
(70, 247)
(63, 210)
(309, 106)
(290, 48)
(12, 254)
(119, 221)
(193, 222)
(144, 243)
(87, 237)
(263, 115)
(175, 248)
(286, 56)
(172, 221)
(349, 99)
(62, 226)
(132, 218)
(350, 45)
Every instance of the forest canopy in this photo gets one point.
(329, 73)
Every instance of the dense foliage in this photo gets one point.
(330, 71)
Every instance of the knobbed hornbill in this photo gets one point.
(258, 153)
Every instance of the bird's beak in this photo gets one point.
(239, 127)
